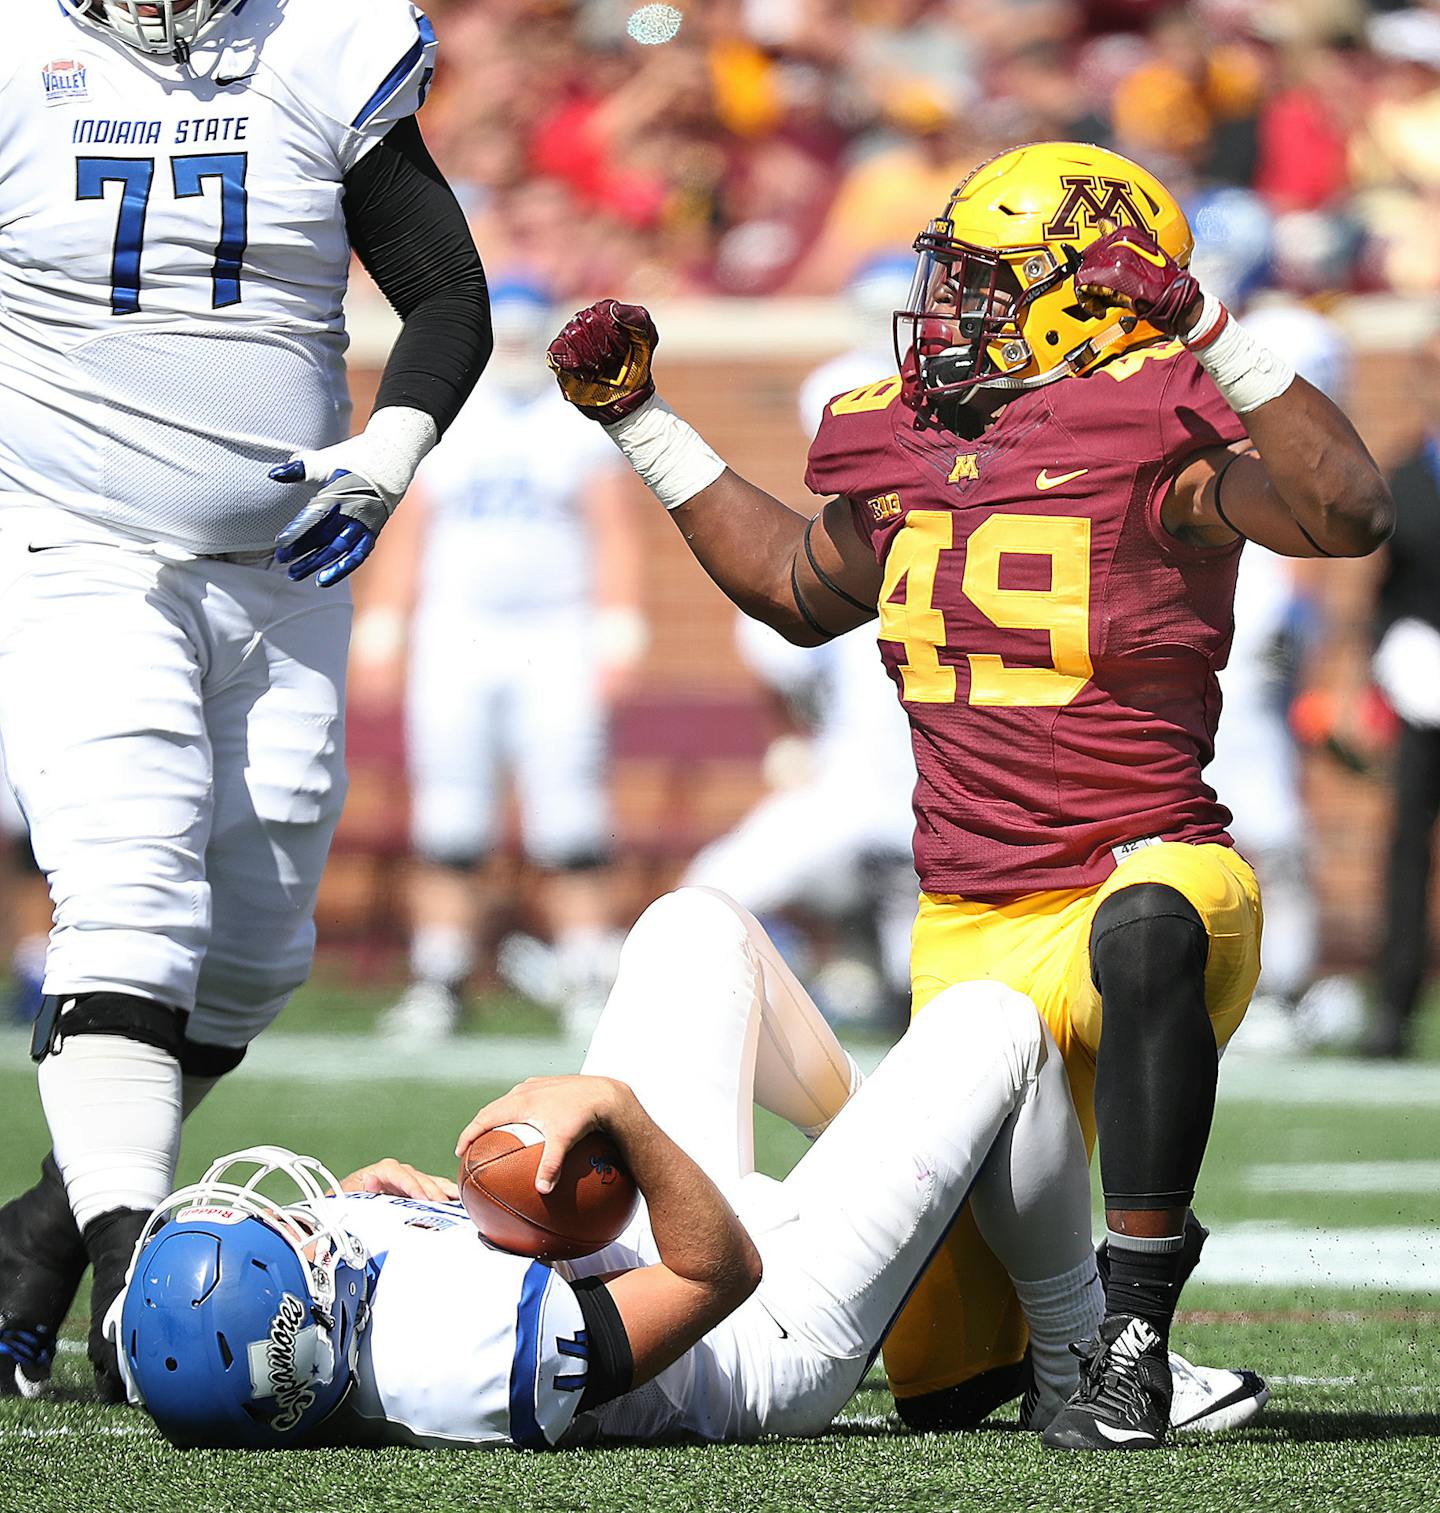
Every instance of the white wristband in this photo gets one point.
(396, 441)
(1245, 371)
(668, 453)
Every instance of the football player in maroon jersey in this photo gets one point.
(1045, 509)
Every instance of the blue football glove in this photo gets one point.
(362, 480)
(336, 531)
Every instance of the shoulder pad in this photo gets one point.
(857, 429)
(362, 66)
(1167, 406)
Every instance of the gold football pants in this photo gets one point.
(963, 1317)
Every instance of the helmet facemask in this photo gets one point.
(151, 26)
(963, 326)
(308, 1337)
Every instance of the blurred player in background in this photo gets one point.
(1239, 248)
(833, 839)
(1034, 507)
(181, 185)
(1407, 670)
(516, 567)
(730, 1308)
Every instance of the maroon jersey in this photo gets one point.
(1054, 647)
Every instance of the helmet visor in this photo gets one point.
(963, 303)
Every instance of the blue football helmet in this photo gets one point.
(172, 28)
(240, 1323)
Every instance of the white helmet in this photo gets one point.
(153, 26)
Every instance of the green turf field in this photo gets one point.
(1322, 1188)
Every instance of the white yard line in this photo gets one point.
(507, 1058)
(1344, 1177)
(1267, 1254)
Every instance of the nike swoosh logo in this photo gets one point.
(1121, 1436)
(1044, 481)
(53, 548)
(1150, 257)
(224, 81)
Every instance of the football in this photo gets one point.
(591, 1202)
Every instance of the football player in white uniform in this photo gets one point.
(519, 549)
(181, 185)
(732, 1307)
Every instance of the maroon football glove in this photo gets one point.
(601, 359)
(1128, 269)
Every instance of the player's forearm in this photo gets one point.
(411, 235)
(749, 543)
(752, 546)
(1320, 487)
(698, 1235)
(1321, 471)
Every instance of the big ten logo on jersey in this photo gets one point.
(106, 131)
(884, 507)
(64, 81)
(1098, 202)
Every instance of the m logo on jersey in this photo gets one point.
(967, 465)
(64, 79)
(1095, 199)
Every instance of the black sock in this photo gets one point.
(1145, 1284)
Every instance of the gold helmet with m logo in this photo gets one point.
(993, 304)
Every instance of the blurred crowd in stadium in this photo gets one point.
(775, 144)
(794, 148)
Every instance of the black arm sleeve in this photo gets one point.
(611, 1367)
(410, 233)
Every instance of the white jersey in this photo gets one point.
(173, 257)
(501, 1363)
(506, 493)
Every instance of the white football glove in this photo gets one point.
(363, 480)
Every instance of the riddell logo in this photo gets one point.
(1095, 199)
(64, 79)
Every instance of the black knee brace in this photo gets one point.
(134, 1018)
(142, 1019)
(1171, 933)
(1157, 1063)
(197, 1060)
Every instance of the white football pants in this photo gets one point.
(705, 1021)
(516, 696)
(173, 730)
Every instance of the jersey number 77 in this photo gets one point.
(189, 176)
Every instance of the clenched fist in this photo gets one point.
(1128, 269)
(602, 359)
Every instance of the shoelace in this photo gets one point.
(30, 1347)
(1108, 1381)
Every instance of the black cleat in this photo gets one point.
(42, 1259)
(110, 1241)
(1123, 1400)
